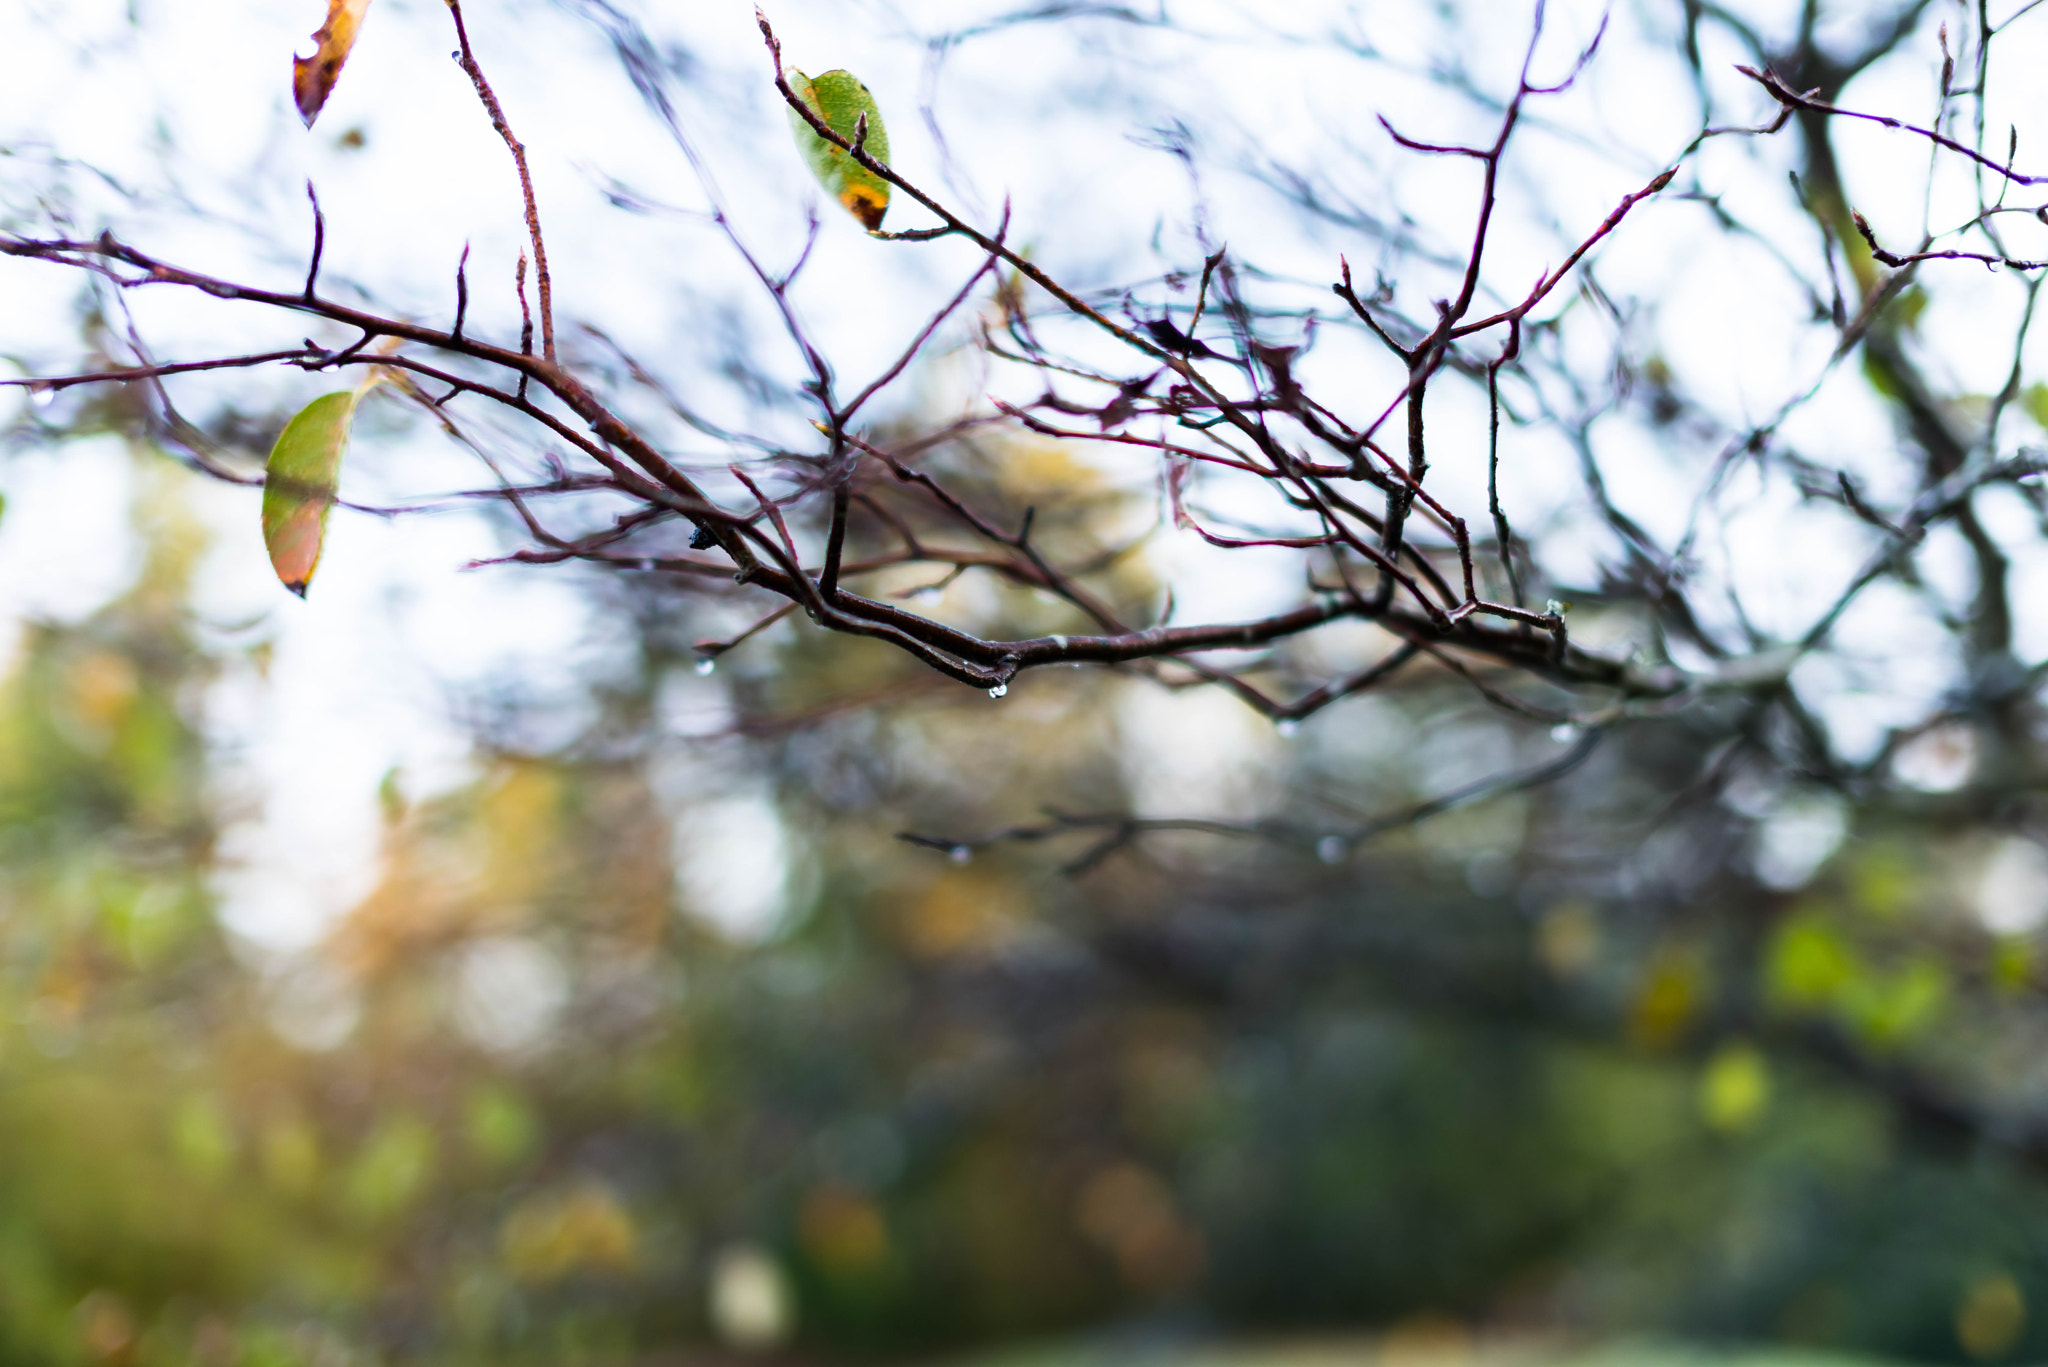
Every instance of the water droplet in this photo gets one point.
(646, 564)
(706, 666)
(930, 593)
(42, 396)
(1553, 607)
(960, 854)
(1060, 642)
(1330, 849)
(1287, 728)
(999, 690)
(1564, 733)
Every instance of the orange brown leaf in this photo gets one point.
(313, 77)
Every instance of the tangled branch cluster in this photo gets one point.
(1208, 385)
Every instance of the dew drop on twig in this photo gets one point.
(1330, 849)
(1287, 728)
(1564, 733)
(706, 666)
(960, 854)
(42, 396)
(999, 690)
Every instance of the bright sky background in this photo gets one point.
(192, 107)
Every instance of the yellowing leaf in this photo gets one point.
(313, 77)
(840, 100)
(299, 486)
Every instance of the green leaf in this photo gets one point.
(299, 484)
(839, 100)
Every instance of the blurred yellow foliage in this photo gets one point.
(392, 1168)
(843, 1230)
(102, 685)
(1667, 998)
(1888, 1009)
(1130, 1212)
(1735, 1089)
(1807, 964)
(291, 1155)
(1882, 882)
(1568, 938)
(1991, 1317)
(963, 911)
(106, 1328)
(202, 1138)
(1044, 473)
(1426, 1341)
(2012, 963)
(502, 1128)
(563, 1234)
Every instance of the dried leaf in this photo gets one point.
(300, 482)
(313, 77)
(840, 100)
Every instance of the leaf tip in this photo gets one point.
(313, 77)
(309, 92)
(867, 206)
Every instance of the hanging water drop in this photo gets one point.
(1330, 849)
(999, 690)
(1287, 728)
(960, 854)
(706, 666)
(42, 396)
(1564, 733)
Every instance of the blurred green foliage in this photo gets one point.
(942, 1104)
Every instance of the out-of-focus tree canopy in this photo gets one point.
(1541, 843)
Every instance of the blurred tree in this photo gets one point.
(1666, 956)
